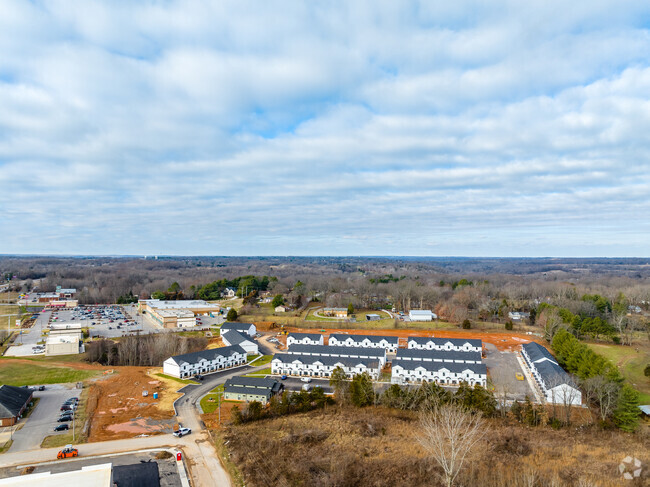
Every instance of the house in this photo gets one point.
(281, 309)
(233, 337)
(248, 328)
(251, 389)
(336, 312)
(229, 292)
(449, 356)
(518, 315)
(422, 315)
(556, 385)
(333, 351)
(323, 366)
(388, 343)
(634, 309)
(13, 402)
(304, 339)
(373, 317)
(205, 361)
(443, 373)
(457, 344)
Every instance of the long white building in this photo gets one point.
(389, 343)
(233, 337)
(450, 356)
(205, 361)
(341, 352)
(304, 339)
(457, 344)
(557, 386)
(443, 373)
(422, 315)
(323, 366)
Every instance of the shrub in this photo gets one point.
(467, 324)
(232, 314)
(509, 325)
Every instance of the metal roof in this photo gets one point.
(536, 352)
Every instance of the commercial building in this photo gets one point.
(304, 339)
(340, 352)
(388, 343)
(13, 402)
(422, 315)
(177, 314)
(323, 366)
(59, 344)
(457, 344)
(251, 389)
(205, 361)
(556, 385)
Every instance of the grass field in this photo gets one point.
(631, 364)
(259, 373)
(176, 379)
(265, 359)
(32, 374)
(210, 402)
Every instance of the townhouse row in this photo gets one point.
(555, 384)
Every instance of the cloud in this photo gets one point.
(340, 128)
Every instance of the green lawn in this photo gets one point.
(181, 381)
(31, 374)
(210, 402)
(266, 359)
(631, 364)
(259, 373)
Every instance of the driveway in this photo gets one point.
(502, 367)
(42, 421)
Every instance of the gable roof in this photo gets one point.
(553, 375)
(458, 342)
(232, 325)
(234, 337)
(298, 348)
(251, 385)
(210, 354)
(287, 358)
(537, 352)
(300, 336)
(12, 400)
(444, 355)
(436, 366)
(359, 338)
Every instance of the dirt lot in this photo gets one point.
(119, 410)
(507, 340)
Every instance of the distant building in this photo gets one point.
(373, 317)
(13, 402)
(177, 314)
(336, 312)
(304, 339)
(518, 315)
(281, 309)
(229, 292)
(422, 315)
(251, 389)
(64, 293)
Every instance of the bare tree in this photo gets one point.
(449, 433)
(602, 392)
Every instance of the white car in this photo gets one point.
(306, 379)
(182, 432)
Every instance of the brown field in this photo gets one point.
(118, 409)
(378, 447)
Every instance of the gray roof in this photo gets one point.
(12, 400)
(359, 338)
(235, 337)
(251, 385)
(458, 342)
(297, 348)
(231, 325)
(553, 375)
(312, 336)
(435, 366)
(536, 352)
(286, 358)
(444, 355)
(210, 354)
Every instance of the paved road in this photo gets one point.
(42, 421)
(23, 344)
(502, 367)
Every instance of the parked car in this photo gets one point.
(41, 388)
(306, 379)
(182, 432)
(64, 419)
(306, 387)
(198, 377)
(68, 407)
(67, 452)
(283, 377)
(61, 427)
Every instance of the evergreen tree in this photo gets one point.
(232, 315)
(626, 415)
(361, 390)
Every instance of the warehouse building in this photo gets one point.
(389, 343)
(323, 366)
(251, 389)
(205, 361)
(457, 344)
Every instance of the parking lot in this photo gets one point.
(503, 367)
(43, 419)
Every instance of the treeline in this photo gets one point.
(145, 350)
(286, 403)
(615, 401)
(583, 324)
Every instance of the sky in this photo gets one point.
(500, 128)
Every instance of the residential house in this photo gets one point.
(281, 309)
(336, 312)
(323, 366)
(232, 337)
(304, 339)
(457, 344)
(13, 402)
(229, 292)
(333, 351)
(422, 315)
(205, 361)
(248, 328)
(443, 373)
(389, 343)
(518, 315)
(556, 385)
(450, 356)
(251, 389)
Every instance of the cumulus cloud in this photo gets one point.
(342, 128)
